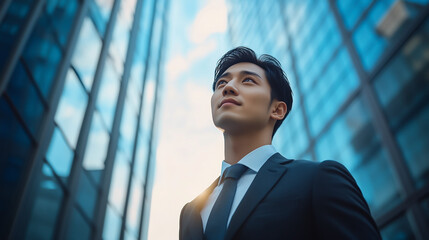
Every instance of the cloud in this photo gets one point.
(181, 63)
(210, 19)
(188, 155)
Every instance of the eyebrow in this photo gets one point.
(244, 72)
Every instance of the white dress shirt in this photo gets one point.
(254, 161)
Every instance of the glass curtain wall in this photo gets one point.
(78, 87)
(359, 73)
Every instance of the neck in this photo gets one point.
(239, 145)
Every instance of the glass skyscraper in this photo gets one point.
(79, 83)
(360, 75)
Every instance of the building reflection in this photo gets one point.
(79, 81)
(360, 75)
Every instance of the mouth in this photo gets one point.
(229, 101)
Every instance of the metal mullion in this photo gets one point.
(128, 63)
(18, 47)
(154, 114)
(47, 128)
(387, 137)
(144, 77)
(35, 85)
(100, 211)
(81, 145)
(20, 118)
(297, 82)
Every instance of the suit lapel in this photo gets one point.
(195, 223)
(265, 180)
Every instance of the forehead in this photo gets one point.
(245, 66)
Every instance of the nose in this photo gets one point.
(230, 89)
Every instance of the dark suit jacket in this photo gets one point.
(292, 199)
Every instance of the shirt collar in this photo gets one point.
(253, 160)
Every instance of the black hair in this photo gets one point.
(280, 87)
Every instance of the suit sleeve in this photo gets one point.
(182, 213)
(340, 211)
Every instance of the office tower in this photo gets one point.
(360, 75)
(79, 85)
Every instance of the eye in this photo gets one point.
(220, 83)
(249, 80)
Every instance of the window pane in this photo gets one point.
(96, 149)
(79, 229)
(134, 207)
(403, 83)
(118, 186)
(87, 52)
(108, 94)
(25, 98)
(86, 195)
(71, 108)
(353, 141)
(48, 200)
(413, 140)
(62, 14)
(59, 155)
(43, 55)
(15, 150)
(351, 10)
(112, 224)
(11, 24)
(128, 128)
(141, 160)
(400, 229)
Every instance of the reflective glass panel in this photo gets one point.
(413, 140)
(59, 155)
(377, 31)
(148, 104)
(96, 149)
(351, 10)
(71, 108)
(330, 91)
(86, 195)
(134, 207)
(403, 84)
(128, 128)
(400, 229)
(118, 186)
(353, 141)
(112, 224)
(42, 55)
(292, 131)
(141, 160)
(87, 52)
(105, 7)
(108, 94)
(62, 14)
(79, 228)
(26, 99)
(47, 200)
(11, 24)
(15, 150)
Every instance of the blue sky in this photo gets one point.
(190, 148)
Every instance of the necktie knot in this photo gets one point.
(235, 171)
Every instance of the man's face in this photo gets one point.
(242, 99)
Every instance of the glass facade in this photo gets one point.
(78, 87)
(359, 73)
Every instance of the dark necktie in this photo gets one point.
(218, 219)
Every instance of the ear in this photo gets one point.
(278, 110)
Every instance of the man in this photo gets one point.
(260, 194)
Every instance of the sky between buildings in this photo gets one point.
(190, 148)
